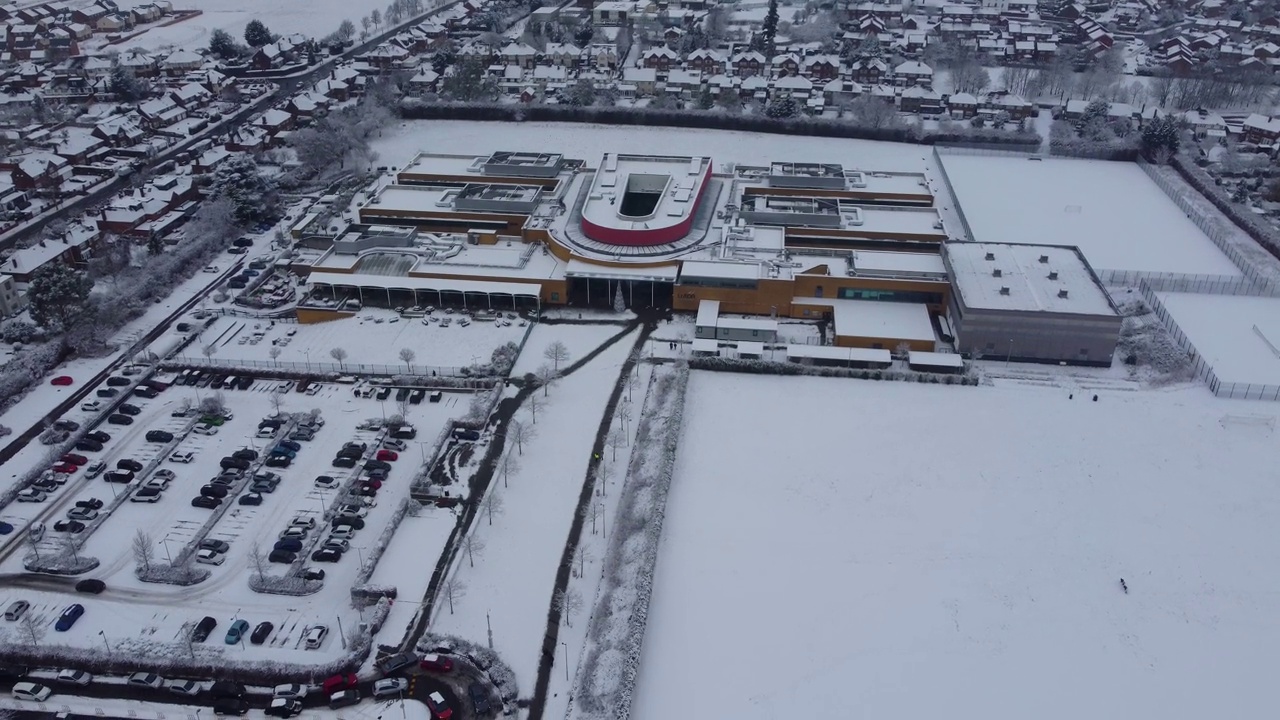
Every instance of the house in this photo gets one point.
(786, 64)
(248, 138)
(424, 82)
(1001, 101)
(275, 122)
(159, 112)
(602, 56)
(840, 91)
(191, 95)
(520, 55)
(142, 63)
(77, 144)
(922, 100)
(797, 86)
(612, 12)
(645, 80)
(962, 106)
(209, 160)
(683, 82)
(821, 67)
(754, 87)
(180, 63)
(747, 63)
(120, 130)
(563, 54)
(707, 62)
(661, 58)
(868, 72)
(913, 72)
(1259, 129)
(41, 173)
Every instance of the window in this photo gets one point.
(817, 291)
(806, 313)
(889, 295)
(555, 297)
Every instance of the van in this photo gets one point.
(316, 636)
(16, 610)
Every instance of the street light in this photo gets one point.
(566, 660)
(104, 640)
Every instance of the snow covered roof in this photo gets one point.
(842, 354)
(1028, 278)
(875, 319)
(679, 180)
(719, 270)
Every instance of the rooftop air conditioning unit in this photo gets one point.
(1062, 294)
(1044, 259)
(1053, 274)
(1004, 290)
(991, 256)
(997, 273)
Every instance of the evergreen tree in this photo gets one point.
(223, 45)
(469, 82)
(581, 93)
(251, 193)
(1160, 134)
(1241, 194)
(706, 100)
(125, 85)
(58, 296)
(155, 243)
(257, 34)
(769, 31)
(870, 49)
(782, 106)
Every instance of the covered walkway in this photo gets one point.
(411, 291)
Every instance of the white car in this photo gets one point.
(182, 457)
(210, 268)
(91, 406)
(74, 677)
(94, 469)
(32, 495)
(146, 679)
(290, 691)
(209, 557)
(31, 691)
(190, 688)
(387, 687)
(342, 532)
(325, 482)
(165, 474)
(205, 430)
(337, 544)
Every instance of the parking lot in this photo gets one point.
(143, 617)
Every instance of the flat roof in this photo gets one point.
(874, 319)
(828, 352)
(432, 164)
(741, 323)
(582, 268)
(897, 183)
(684, 177)
(750, 347)
(708, 313)
(411, 198)
(720, 270)
(907, 221)
(873, 261)
(1032, 278)
(705, 345)
(916, 357)
(420, 283)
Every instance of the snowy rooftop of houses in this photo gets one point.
(1033, 278)
(28, 259)
(677, 180)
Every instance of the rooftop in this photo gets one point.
(1029, 278)
(634, 192)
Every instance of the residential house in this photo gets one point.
(708, 62)
(922, 100)
(120, 130)
(962, 106)
(913, 72)
(1258, 129)
(520, 55)
(602, 56)
(821, 67)
(683, 83)
(868, 72)
(746, 64)
(160, 112)
(797, 86)
(840, 91)
(181, 62)
(424, 82)
(563, 54)
(40, 173)
(786, 64)
(661, 58)
(191, 95)
(645, 80)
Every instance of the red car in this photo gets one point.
(335, 683)
(387, 455)
(65, 468)
(62, 380)
(440, 709)
(74, 459)
(436, 663)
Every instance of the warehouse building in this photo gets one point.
(1029, 303)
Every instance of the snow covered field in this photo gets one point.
(1238, 336)
(313, 18)
(839, 548)
(370, 338)
(1112, 211)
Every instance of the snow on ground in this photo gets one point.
(133, 610)
(375, 337)
(1112, 211)
(511, 583)
(1238, 336)
(316, 19)
(834, 544)
(578, 339)
(407, 564)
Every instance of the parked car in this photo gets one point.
(385, 455)
(98, 435)
(393, 664)
(89, 444)
(205, 429)
(16, 610)
(128, 409)
(282, 556)
(146, 679)
(213, 491)
(69, 526)
(279, 461)
(209, 557)
(159, 436)
(67, 425)
(315, 636)
(250, 499)
(337, 545)
(326, 482)
(218, 546)
(91, 585)
(65, 468)
(237, 631)
(117, 381)
(344, 462)
(33, 692)
(79, 678)
(334, 683)
(188, 688)
(479, 698)
(261, 633)
(129, 464)
(302, 434)
(436, 663)
(230, 706)
(68, 618)
(203, 628)
(32, 495)
(82, 514)
(292, 545)
(115, 419)
(440, 709)
(203, 501)
(91, 405)
(284, 708)
(389, 687)
(94, 469)
(150, 494)
(119, 476)
(311, 573)
(143, 391)
(89, 503)
(326, 554)
(344, 698)
(62, 380)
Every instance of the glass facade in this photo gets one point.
(906, 296)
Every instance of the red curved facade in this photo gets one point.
(650, 236)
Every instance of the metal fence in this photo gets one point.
(1179, 282)
(955, 199)
(1201, 366)
(993, 150)
(1214, 229)
(229, 364)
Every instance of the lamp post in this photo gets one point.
(1008, 356)
(104, 640)
(566, 660)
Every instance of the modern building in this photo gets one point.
(1035, 303)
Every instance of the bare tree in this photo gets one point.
(493, 504)
(277, 399)
(187, 632)
(31, 628)
(602, 480)
(546, 375)
(520, 433)
(583, 557)
(208, 350)
(572, 604)
(557, 352)
(594, 513)
(340, 355)
(631, 382)
(274, 353)
(258, 561)
(615, 440)
(623, 413)
(509, 465)
(71, 547)
(454, 590)
(532, 402)
(473, 544)
(143, 550)
(406, 356)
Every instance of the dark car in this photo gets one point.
(69, 617)
(213, 491)
(226, 689)
(206, 502)
(252, 498)
(350, 452)
(289, 445)
(344, 462)
(466, 434)
(282, 556)
(90, 504)
(87, 445)
(143, 391)
(98, 435)
(279, 461)
(402, 394)
(129, 464)
(91, 585)
(261, 633)
(377, 465)
(106, 392)
(230, 706)
(326, 555)
(218, 546)
(382, 394)
(128, 409)
(405, 432)
(479, 698)
(69, 526)
(344, 698)
(395, 663)
(217, 382)
(118, 476)
(283, 708)
(230, 462)
(352, 520)
(292, 545)
(117, 381)
(117, 419)
(68, 425)
(159, 436)
(245, 454)
(415, 398)
(203, 629)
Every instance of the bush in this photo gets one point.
(486, 660)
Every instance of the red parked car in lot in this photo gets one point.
(387, 455)
(74, 459)
(334, 683)
(62, 380)
(436, 663)
(65, 468)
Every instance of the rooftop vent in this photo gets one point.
(1053, 274)
(996, 273)
(1044, 259)
(1062, 294)
(991, 256)
(1004, 290)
